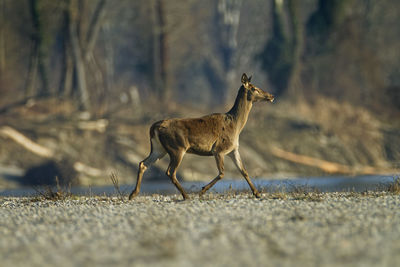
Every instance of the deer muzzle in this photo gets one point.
(269, 97)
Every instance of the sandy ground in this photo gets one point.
(329, 229)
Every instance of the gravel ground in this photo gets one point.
(329, 229)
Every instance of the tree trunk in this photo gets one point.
(94, 28)
(97, 21)
(282, 53)
(79, 70)
(32, 72)
(109, 60)
(78, 60)
(65, 89)
(38, 49)
(2, 40)
(228, 19)
(67, 74)
(297, 29)
(160, 52)
(82, 33)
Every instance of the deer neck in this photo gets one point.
(241, 109)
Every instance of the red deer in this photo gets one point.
(212, 135)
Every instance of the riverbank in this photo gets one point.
(320, 184)
(279, 141)
(299, 228)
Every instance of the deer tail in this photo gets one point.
(154, 129)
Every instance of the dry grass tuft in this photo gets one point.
(48, 193)
(394, 187)
(304, 192)
(115, 182)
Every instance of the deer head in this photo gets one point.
(254, 93)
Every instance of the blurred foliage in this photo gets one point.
(105, 54)
(327, 17)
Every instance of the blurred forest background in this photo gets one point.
(84, 79)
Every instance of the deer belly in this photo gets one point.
(201, 149)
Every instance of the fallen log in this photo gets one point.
(99, 125)
(328, 166)
(45, 152)
(26, 142)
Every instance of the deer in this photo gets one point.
(215, 135)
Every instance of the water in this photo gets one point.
(322, 184)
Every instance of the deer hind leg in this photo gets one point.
(175, 161)
(219, 158)
(235, 156)
(157, 152)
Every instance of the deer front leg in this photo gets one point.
(235, 156)
(219, 158)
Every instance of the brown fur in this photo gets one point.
(212, 135)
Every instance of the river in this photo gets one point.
(322, 184)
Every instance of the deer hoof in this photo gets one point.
(132, 195)
(203, 190)
(257, 194)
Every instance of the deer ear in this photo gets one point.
(244, 78)
(250, 78)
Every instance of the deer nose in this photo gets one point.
(270, 97)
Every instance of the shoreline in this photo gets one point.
(322, 184)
